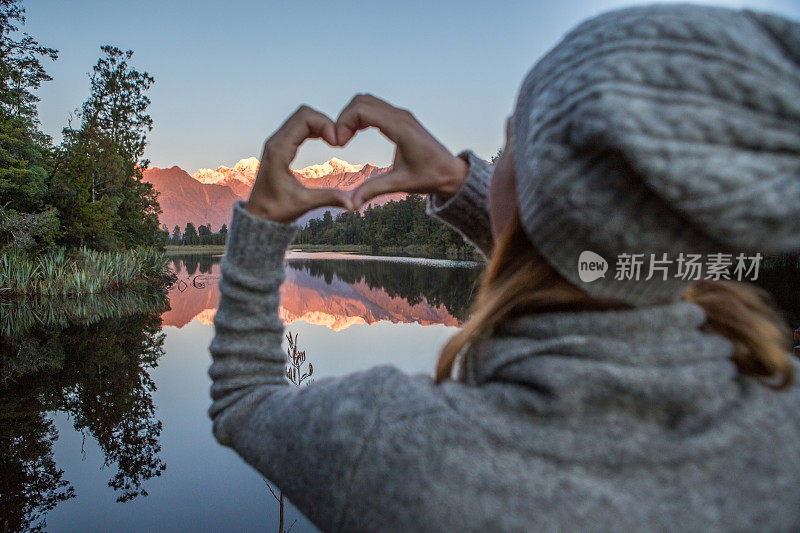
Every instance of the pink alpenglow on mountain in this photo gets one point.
(207, 195)
(184, 199)
(240, 178)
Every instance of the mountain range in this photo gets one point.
(207, 195)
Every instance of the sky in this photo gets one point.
(229, 73)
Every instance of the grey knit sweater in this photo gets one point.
(625, 420)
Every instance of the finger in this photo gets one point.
(305, 123)
(314, 198)
(385, 183)
(366, 111)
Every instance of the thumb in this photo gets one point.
(388, 182)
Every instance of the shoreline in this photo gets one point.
(300, 255)
(195, 249)
(359, 251)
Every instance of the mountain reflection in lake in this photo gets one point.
(103, 400)
(338, 293)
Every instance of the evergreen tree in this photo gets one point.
(204, 234)
(164, 234)
(176, 235)
(190, 234)
(27, 220)
(98, 183)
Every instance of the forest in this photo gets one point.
(84, 192)
(396, 227)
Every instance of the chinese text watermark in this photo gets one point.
(688, 267)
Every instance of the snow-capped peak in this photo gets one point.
(247, 165)
(244, 170)
(332, 166)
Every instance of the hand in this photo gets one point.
(421, 164)
(276, 194)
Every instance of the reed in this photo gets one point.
(79, 272)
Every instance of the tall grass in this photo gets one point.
(80, 272)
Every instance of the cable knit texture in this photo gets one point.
(467, 211)
(615, 421)
(661, 129)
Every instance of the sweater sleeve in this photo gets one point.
(468, 211)
(309, 441)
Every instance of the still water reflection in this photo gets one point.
(103, 400)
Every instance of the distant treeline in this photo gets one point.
(397, 227)
(399, 224)
(194, 236)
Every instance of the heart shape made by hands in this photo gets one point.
(421, 164)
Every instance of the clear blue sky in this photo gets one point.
(228, 73)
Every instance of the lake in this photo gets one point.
(103, 400)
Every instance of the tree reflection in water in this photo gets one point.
(412, 282)
(30, 481)
(93, 368)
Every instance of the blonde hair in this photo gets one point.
(519, 281)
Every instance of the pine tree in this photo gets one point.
(176, 235)
(190, 234)
(204, 234)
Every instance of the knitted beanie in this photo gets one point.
(659, 134)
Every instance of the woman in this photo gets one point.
(626, 402)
